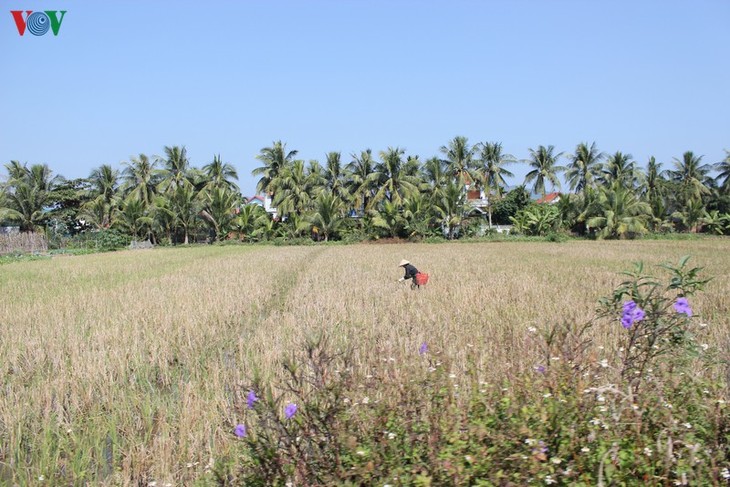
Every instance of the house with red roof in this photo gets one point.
(549, 199)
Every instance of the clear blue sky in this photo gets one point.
(230, 77)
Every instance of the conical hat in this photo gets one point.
(403, 262)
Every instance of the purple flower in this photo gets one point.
(290, 410)
(240, 431)
(682, 306)
(631, 314)
(540, 369)
(251, 399)
(423, 349)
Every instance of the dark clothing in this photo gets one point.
(411, 272)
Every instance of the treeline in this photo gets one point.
(461, 192)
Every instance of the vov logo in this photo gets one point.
(38, 23)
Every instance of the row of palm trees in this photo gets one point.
(392, 194)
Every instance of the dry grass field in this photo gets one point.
(124, 367)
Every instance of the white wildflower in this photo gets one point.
(703, 325)
(687, 425)
(532, 329)
(365, 400)
(704, 347)
(550, 480)
(603, 363)
(361, 452)
(725, 473)
(391, 436)
(556, 460)
(585, 449)
(647, 451)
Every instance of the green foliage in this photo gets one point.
(537, 220)
(578, 419)
(664, 330)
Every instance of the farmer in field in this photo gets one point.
(411, 273)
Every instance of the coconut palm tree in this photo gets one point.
(175, 170)
(363, 179)
(458, 159)
(543, 163)
(616, 213)
(691, 175)
(185, 205)
(394, 183)
(141, 178)
(104, 182)
(132, 217)
(274, 160)
(653, 189)
(334, 176)
(328, 214)
(619, 168)
(450, 208)
(584, 167)
(491, 172)
(217, 210)
(247, 220)
(387, 217)
(219, 174)
(417, 214)
(27, 194)
(295, 189)
(723, 168)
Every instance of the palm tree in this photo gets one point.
(691, 175)
(616, 213)
(27, 194)
(294, 189)
(218, 210)
(334, 177)
(394, 183)
(619, 168)
(543, 161)
(450, 208)
(387, 217)
(723, 167)
(459, 159)
(491, 172)
(247, 220)
(176, 169)
(328, 214)
(417, 214)
(584, 167)
(274, 159)
(140, 178)
(363, 179)
(653, 189)
(434, 174)
(185, 205)
(132, 217)
(104, 182)
(220, 174)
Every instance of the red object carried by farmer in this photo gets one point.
(419, 278)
